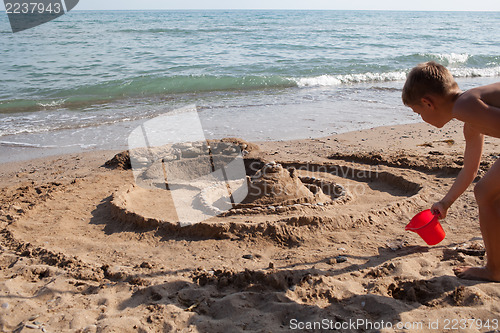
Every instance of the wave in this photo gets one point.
(335, 80)
(51, 104)
(453, 60)
(154, 85)
(145, 86)
(36, 145)
(476, 72)
(22, 144)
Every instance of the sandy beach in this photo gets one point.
(79, 255)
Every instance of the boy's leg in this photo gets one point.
(487, 192)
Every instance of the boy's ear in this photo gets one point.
(427, 102)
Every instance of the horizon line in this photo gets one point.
(288, 9)
(304, 9)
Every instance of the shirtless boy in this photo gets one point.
(431, 91)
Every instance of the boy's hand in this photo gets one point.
(440, 209)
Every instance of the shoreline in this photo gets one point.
(68, 263)
(360, 140)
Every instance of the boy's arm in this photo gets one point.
(472, 159)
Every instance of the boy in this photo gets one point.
(431, 91)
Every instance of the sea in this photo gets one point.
(86, 80)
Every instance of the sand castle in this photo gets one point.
(269, 194)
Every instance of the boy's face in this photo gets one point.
(429, 113)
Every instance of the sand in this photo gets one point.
(83, 250)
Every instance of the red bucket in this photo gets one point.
(427, 226)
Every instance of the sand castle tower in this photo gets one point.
(275, 185)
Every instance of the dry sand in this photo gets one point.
(78, 255)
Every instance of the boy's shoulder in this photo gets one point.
(480, 108)
(467, 101)
(479, 97)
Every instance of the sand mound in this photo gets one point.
(120, 161)
(275, 185)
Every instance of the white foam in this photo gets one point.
(335, 80)
(52, 104)
(476, 72)
(19, 144)
(453, 58)
(318, 81)
(36, 145)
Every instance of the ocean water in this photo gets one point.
(87, 79)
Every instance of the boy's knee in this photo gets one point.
(482, 192)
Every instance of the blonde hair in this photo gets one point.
(427, 78)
